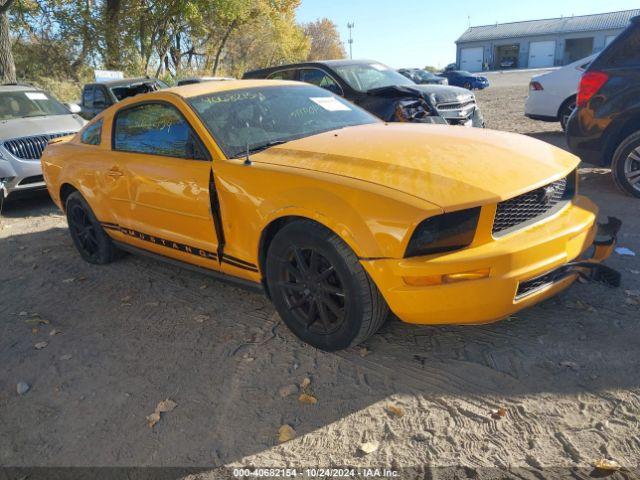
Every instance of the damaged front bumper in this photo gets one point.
(588, 267)
(520, 270)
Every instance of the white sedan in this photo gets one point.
(552, 95)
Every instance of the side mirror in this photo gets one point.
(73, 107)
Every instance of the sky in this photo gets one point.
(416, 33)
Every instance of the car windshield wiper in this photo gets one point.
(36, 115)
(259, 148)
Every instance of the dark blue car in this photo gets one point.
(461, 78)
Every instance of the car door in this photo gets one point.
(167, 173)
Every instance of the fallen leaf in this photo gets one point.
(66, 357)
(395, 411)
(163, 407)
(606, 464)
(202, 287)
(40, 345)
(166, 406)
(635, 272)
(126, 299)
(37, 321)
(308, 399)
(369, 447)
(305, 383)
(364, 351)
(68, 280)
(54, 332)
(286, 433)
(23, 314)
(632, 293)
(498, 413)
(153, 419)
(34, 330)
(201, 318)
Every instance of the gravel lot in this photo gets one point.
(123, 337)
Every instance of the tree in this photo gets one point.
(325, 40)
(7, 65)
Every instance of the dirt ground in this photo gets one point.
(123, 337)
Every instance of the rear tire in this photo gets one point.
(565, 112)
(320, 289)
(625, 165)
(467, 85)
(87, 234)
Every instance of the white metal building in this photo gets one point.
(538, 43)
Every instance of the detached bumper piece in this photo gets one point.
(588, 269)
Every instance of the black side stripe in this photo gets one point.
(199, 252)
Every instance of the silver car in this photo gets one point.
(29, 118)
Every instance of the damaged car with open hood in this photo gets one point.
(382, 91)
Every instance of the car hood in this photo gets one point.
(27, 127)
(439, 93)
(452, 167)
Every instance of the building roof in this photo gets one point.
(550, 26)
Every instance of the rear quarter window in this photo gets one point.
(92, 134)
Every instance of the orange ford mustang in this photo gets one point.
(338, 216)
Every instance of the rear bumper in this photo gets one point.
(513, 259)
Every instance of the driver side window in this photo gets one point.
(156, 129)
(321, 79)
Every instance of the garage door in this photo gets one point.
(542, 54)
(471, 59)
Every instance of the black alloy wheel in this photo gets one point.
(312, 290)
(87, 234)
(320, 289)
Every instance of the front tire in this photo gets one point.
(625, 165)
(87, 234)
(320, 289)
(467, 85)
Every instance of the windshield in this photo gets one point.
(24, 104)
(424, 75)
(255, 118)
(463, 73)
(367, 76)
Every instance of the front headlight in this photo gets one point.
(443, 233)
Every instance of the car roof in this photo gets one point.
(17, 87)
(123, 82)
(196, 89)
(327, 63)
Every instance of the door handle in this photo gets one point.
(114, 172)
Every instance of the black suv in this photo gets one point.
(604, 129)
(383, 91)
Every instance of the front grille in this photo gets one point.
(31, 148)
(33, 179)
(531, 286)
(533, 206)
(455, 106)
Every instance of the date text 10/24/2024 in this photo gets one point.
(315, 472)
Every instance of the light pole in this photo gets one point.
(350, 26)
